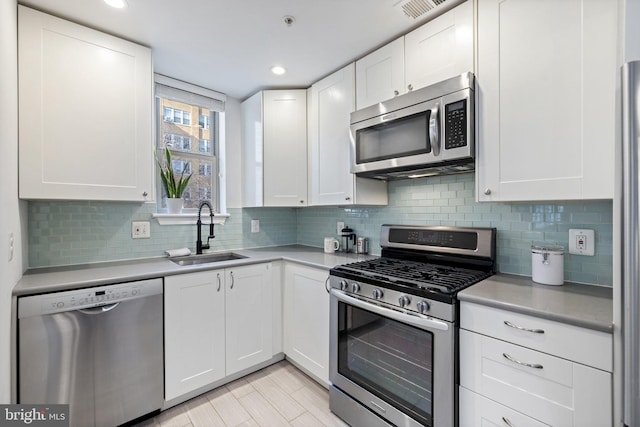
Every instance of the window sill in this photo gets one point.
(188, 218)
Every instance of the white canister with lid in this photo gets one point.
(547, 264)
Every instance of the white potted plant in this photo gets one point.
(173, 184)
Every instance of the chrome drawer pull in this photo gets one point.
(507, 422)
(528, 365)
(520, 328)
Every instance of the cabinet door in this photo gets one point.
(380, 75)
(441, 48)
(330, 180)
(252, 152)
(306, 320)
(86, 110)
(546, 99)
(285, 147)
(194, 333)
(332, 101)
(249, 320)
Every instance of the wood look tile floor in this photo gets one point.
(279, 395)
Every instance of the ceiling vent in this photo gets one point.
(419, 8)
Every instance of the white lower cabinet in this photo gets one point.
(477, 410)
(194, 318)
(217, 323)
(525, 378)
(306, 319)
(249, 330)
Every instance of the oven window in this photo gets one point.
(402, 137)
(387, 358)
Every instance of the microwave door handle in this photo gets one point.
(434, 130)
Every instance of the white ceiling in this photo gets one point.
(229, 46)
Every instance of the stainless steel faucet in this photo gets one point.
(199, 245)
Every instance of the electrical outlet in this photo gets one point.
(255, 225)
(339, 227)
(140, 230)
(582, 242)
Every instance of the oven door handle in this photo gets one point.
(417, 320)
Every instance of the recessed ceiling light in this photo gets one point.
(118, 4)
(278, 70)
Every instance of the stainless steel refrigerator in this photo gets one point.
(631, 242)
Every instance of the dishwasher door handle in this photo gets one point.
(99, 310)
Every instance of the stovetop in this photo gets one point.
(432, 263)
(419, 275)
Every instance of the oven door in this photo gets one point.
(399, 365)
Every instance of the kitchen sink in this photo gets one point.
(206, 258)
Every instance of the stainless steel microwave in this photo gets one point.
(429, 131)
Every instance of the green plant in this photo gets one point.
(173, 185)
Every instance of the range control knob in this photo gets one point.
(355, 287)
(404, 301)
(423, 307)
(344, 285)
(377, 293)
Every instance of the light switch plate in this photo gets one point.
(140, 230)
(582, 242)
(339, 227)
(255, 225)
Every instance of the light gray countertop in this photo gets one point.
(53, 279)
(577, 304)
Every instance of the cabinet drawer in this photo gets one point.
(549, 389)
(477, 410)
(582, 345)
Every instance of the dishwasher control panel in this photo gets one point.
(87, 298)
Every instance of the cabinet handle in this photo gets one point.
(410, 87)
(145, 194)
(520, 328)
(528, 365)
(347, 198)
(396, 93)
(487, 191)
(219, 282)
(507, 422)
(301, 201)
(232, 279)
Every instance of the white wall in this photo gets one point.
(10, 208)
(233, 153)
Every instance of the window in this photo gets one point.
(181, 166)
(177, 142)
(176, 103)
(180, 117)
(205, 169)
(204, 122)
(205, 146)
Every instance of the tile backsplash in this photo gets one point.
(62, 233)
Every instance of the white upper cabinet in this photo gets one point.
(546, 99)
(86, 110)
(274, 138)
(380, 75)
(441, 48)
(330, 180)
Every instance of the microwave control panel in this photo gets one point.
(455, 124)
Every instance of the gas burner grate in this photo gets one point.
(434, 277)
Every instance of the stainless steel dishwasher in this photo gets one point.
(99, 349)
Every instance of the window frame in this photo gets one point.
(186, 93)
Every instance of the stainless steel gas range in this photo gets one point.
(394, 325)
